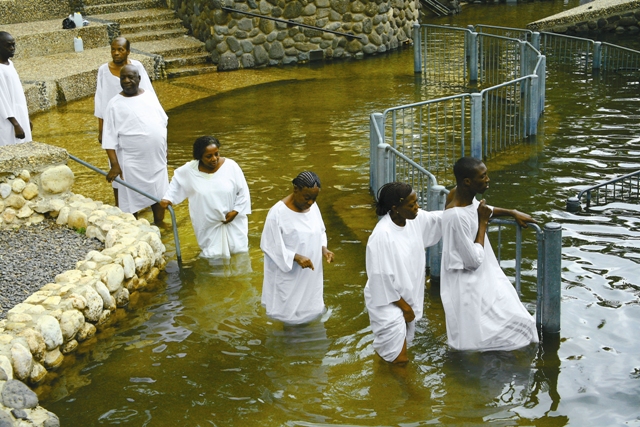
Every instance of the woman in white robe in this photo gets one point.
(294, 241)
(396, 258)
(219, 199)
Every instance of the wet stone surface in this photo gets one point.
(31, 257)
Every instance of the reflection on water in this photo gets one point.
(200, 350)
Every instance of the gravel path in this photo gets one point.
(31, 257)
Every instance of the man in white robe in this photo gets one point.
(15, 126)
(482, 308)
(135, 138)
(211, 197)
(396, 261)
(294, 241)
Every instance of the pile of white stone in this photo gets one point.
(50, 323)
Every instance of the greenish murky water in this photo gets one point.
(200, 351)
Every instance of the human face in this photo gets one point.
(480, 182)
(408, 208)
(7, 47)
(304, 198)
(129, 80)
(210, 158)
(119, 51)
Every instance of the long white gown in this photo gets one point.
(482, 308)
(396, 261)
(108, 86)
(290, 293)
(136, 128)
(13, 103)
(211, 197)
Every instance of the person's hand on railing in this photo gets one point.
(164, 203)
(114, 172)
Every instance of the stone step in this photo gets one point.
(154, 35)
(121, 7)
(168, 48)
(174, 62)
(138, 16)
(191, 71)
(155, 25)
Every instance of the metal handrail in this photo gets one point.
(573, 203)
(147, 195)
(289, 22)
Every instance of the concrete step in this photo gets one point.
(179, 46)
(174, 62)
(191, 71)
(138, 16)
(151, 25)
(155, 35)
(121, 7)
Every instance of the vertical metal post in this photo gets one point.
(376, 161)
(542, 86)
(552, 285)
(476, 125)
(533, 105)
(524, 60)
(417, 49)
(597, 55)
(535, 40)
(472, 53)
(436, 201)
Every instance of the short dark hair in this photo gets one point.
(466, 167)
(391, 194)
(201, 145)
(4, 34)
(127, 44)
(306, 179)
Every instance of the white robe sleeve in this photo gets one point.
(431, 226)
(109, 128)
(177, 191)
(242, 203)
(465, 253)
(98, 100)
(6, 106)
(273, 245)
(380, 272)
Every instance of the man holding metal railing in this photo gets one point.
(482, 308)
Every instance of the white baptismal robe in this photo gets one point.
(290, 293)
(211, 196)
(136, 128)
(13, 103)
(482, 308)
(108, 86)
(396, 260)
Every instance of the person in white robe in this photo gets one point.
(135, 138)
(396, 260)
(482, 308)
(219, 199)
(294, 241)
(15, 126)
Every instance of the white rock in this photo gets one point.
(93, 310)
(78, 301)
(57, 179)
(36, 218)
(18, 185)
(100, 258)
(86, 331)
(154, 241)
(77, 219)
(37, 373)
(57, 204)
(5, 190)
(70, 276)
(53, 358)
(24, 212)
(49, 327)
(5, 364)
(104, 317)
(69, 346)
(52, 301)
(112, 238)
(8, 215)
(112, 275)
(94, 232)
(122, 297)
(63, 216)
(30, 191)
(15, 201)
(22, 361)
(24, 175)
(128, 265)
(70, 323)
(35, 341)
(108, 302)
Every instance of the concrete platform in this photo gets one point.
(587, 12)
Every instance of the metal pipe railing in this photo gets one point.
(573, 203)
(174, 223)
(289, 22)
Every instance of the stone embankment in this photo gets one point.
(236, 40)
(599, 16)
(37, 333)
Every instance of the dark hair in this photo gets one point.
(4, 34)
(466, 167)
(306, 179)
(391, 194)
(201, 145)
(127, 44)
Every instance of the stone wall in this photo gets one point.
(16, 11)
(35, 183)
(240, 41)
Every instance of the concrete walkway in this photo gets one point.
(586, 12)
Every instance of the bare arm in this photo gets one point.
(521, 218)
(484, 214)
(100, 124)
(407, 311)
(115, 170)
(18, 131)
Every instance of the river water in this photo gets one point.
(200, 351)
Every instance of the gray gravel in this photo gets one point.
(31, 257)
